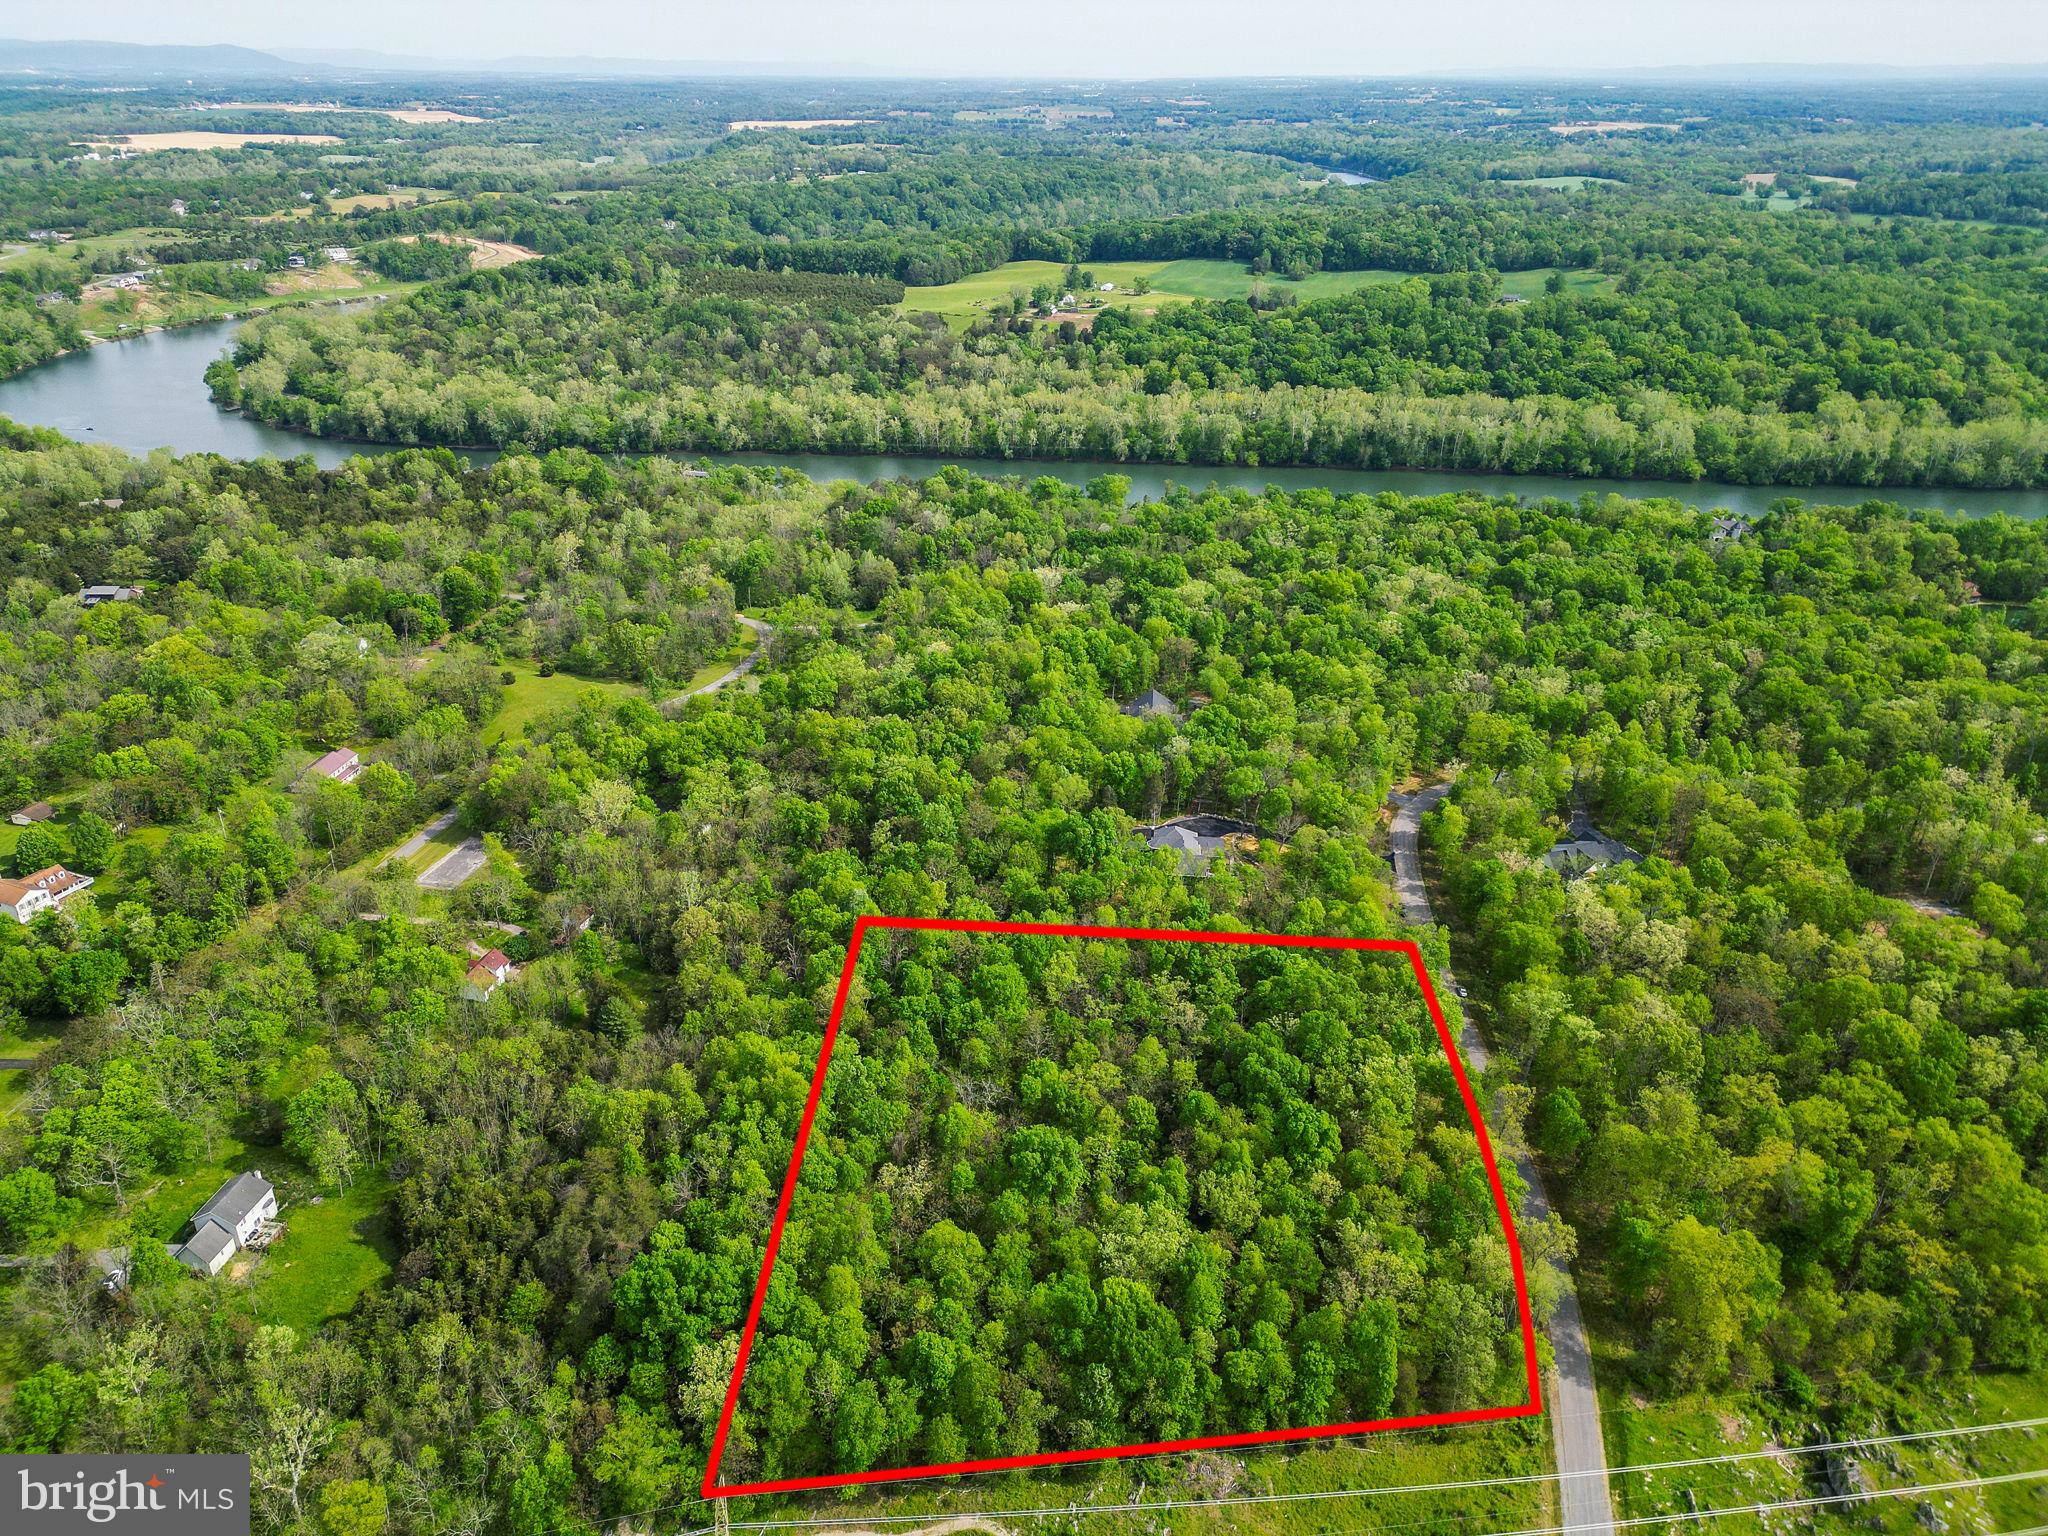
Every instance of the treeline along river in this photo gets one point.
(148, 392)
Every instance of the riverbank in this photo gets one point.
(148, 392)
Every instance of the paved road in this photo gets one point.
(421, 838)
(746, 663)
(1574, 1405)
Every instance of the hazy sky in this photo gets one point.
(1098, 37)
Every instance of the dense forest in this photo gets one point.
(1859, 361)
(1767, 1072)
(1067, 1194)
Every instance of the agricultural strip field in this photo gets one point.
(1174, 282)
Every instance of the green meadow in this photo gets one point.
(1177, 282)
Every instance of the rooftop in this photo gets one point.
(233, 1201)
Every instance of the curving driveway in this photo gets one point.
(1574, 1405)
(762, 629)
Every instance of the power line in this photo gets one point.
(1636, 1521)
(1633, 1522)
(1523, 1479)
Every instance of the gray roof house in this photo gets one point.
(108, 592)
(1199, 839)
(229, 1220)
(1149, 705)
(1585, 848)
(1726, 528)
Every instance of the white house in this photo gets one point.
(46, 890)
(490, 969)
(227, 1223)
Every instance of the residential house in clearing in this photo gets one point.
(35, 811)
(1200, 840)
(1149, 705)
(491, 969)
(108, 592)
(233, 1219)
(574, 925)
(341, 765)
(337, 253)
(1727, 529)
(1584, 848)
(46, 890)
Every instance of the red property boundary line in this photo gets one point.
(1533, 1405)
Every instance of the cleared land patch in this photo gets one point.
(482, 253)
(151, 143)
(989, 293)
(742, 125)
(1562, 183)
(396, 114)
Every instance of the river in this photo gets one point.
(147, 393)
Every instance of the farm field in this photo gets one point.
(1177, 282)
(201, 138)
(414, 115)
(1172, 282)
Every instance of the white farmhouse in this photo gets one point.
(227, 1223)
(46, 890)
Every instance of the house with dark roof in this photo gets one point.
(1149, 705)
(35, 811)
(1584, 848)
(1200, 840)
(233, 1219)
(1727, 528)
(107, 592)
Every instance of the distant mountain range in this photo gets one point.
(125, 59)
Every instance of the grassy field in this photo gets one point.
(77, 253)
(145, 307)
(529, 697)
(329, 1255)
(165, 1201)
(1174, 282)
(1529, 285)
(1372, 1462)
(1638, 1434)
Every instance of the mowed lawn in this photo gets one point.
(529, 696)
(329, 1255)
(1177, 282)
